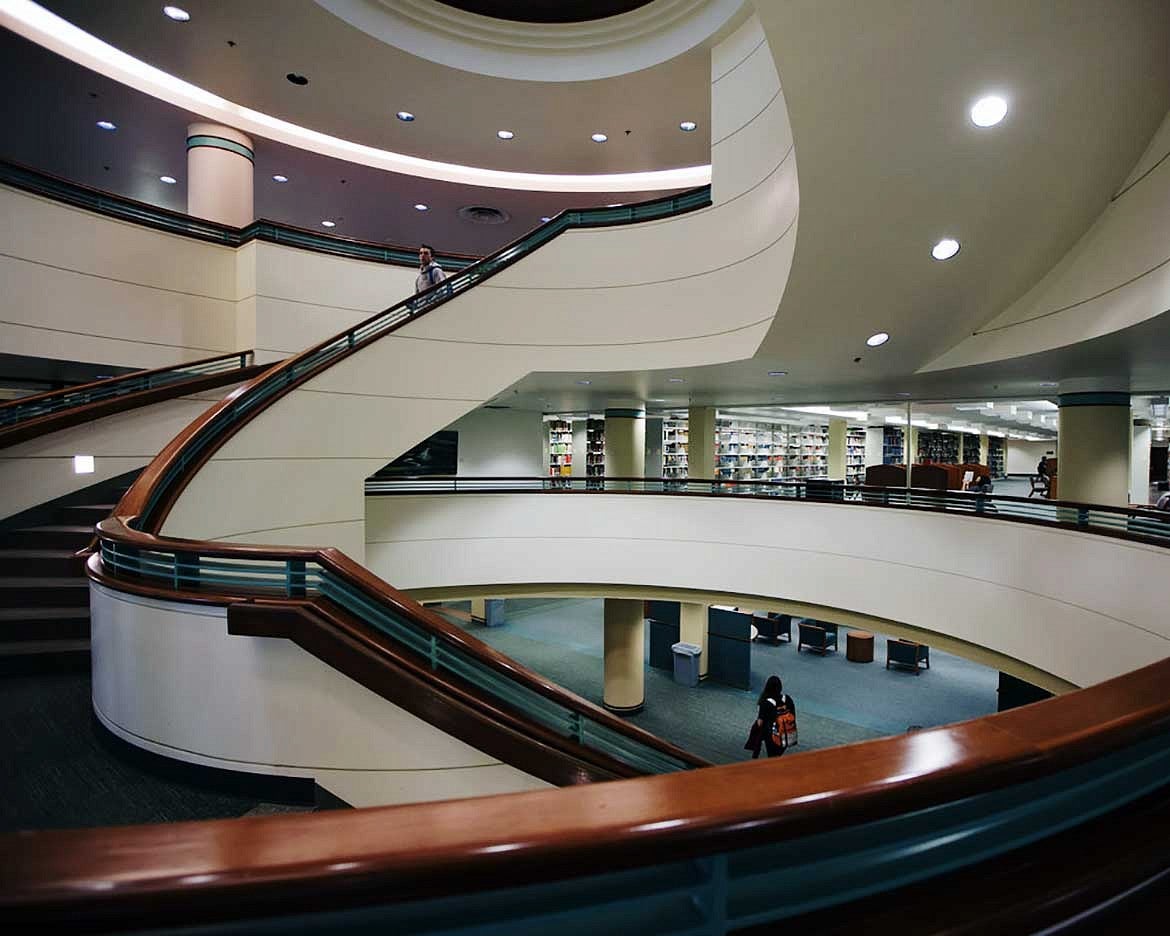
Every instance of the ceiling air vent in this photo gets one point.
(482, 214)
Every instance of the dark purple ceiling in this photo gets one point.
(546, 11)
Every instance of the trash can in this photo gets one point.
(686, 664)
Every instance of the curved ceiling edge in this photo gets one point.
(38, 25)
(605, 48)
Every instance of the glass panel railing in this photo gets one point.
(45, 404)
(296, 578)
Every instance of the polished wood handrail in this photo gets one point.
(454, 847)
(108, 406)
(116, 529)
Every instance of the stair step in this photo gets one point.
(43, 623)
(81, 513)
(26, 647)
(41, 562)
(17, 592)
(36, 657)
(52, 536)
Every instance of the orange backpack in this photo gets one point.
(784, 728)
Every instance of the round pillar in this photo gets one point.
(625, 442)
(836, 449)
(701, 445)
(1093, 448)
(625, 651)
(219, 174)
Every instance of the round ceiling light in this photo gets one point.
(876, 341)
(405, 116)
(542, 220)
(676, 380)
(945, 249)
(777, 373)
(687, 126)
(599, 138)
(178, 14)
(421, 207)
(988, 111)
(107, 125)
(505, 134)
(584, 383)
(169, 180)
(328, 224)
(280, 178)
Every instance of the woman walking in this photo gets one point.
(775, 724)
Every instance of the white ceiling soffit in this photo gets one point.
(56, 34)
(604, 48)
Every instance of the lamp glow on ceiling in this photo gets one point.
(280, 178)
(421, 207)
(988, 111)
(178, 14)
(107, 125)
(169, 180)
(876, 341)
(687, 126)
(777, 373)
(505, 134)
(405, 116)
(329, 224)
(599, 138)
(945, 249)
(58, 35)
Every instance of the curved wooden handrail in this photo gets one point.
(389, 854)
(64, 418)
(116, 529)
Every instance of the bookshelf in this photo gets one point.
(942, 448)
(814, 453)
(970, 448)
(675, 440)
(560, 447)
(855, 456)
(892, 446)
(595, 448)
(750, 450)
(995, 454)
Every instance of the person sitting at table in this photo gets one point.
(981, 485)
(771, 700)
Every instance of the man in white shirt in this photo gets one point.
(429, 272)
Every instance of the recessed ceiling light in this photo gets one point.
(328, 224)
(1049, 383)
(875, 341)
(545, 219)
(280, 178)
(777, 373)
(945, 249)
(505, 134)
(687, 126)
(988, 111)
(614, 205)
(599, 138)
(421, 207)
(903, 393)
(107, 125)
(584, 383)
(169, 180)
(405, 116)
(83, 464)
(676, 380)
(178, 14)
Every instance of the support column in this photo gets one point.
(219, 174)
(625, 651)
(984, 450)
(1093, 448)
(479, 609)
(625, 442)
(701, 444)
(652, 461)
(692, 628)
(1139, 461)
(836, 449)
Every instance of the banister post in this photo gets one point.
(295, 578)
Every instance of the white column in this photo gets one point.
(1139, 461)
(625, 652)
(219, 174)
(1093, 448)
(692, 628)
(836, 449)
(625, 442)
(701, 444)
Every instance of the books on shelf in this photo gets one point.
(560, 447)
(893, 451)
(595, 448)
(675, 443)
(995, 457)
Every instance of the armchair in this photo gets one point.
(817, 638)
(907, 653)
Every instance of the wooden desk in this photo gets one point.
(859, 646)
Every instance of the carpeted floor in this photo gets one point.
(62, 769)
(838, 702)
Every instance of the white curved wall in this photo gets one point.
(1117, 275)
(41, 469)
(170, 679)
(995, 584)
(697, 289)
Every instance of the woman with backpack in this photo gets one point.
(775, 726)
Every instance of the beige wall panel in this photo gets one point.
(171, 679)
(736, 47)
(1095, 443)
(324, 280)
(996, 584)
(744, 91)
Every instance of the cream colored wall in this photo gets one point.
(1022, 457)
(170, 679)
(1116, 275)
(994, 584)
(503, 443)
(41, 469)
(697, 289)
(78, 286)
(1095, 443)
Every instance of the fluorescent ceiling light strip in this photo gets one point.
(52, 32)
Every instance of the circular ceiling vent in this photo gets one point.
(482, 214)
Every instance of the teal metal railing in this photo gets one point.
(277, 575)
(22, 410)
(1145, 524)
(173, 222)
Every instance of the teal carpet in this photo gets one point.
(838, 702)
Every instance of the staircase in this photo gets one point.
(44, 594)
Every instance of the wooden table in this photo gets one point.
(859, 647)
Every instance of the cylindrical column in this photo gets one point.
(692, 628)
(1139, 461)
(701, 442)
(836, 449)
(984, 450)
(219, 174)
(625, 442)
(625, 651)
(1093, 448)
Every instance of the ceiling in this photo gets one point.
(546, 11)
(357, 84)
